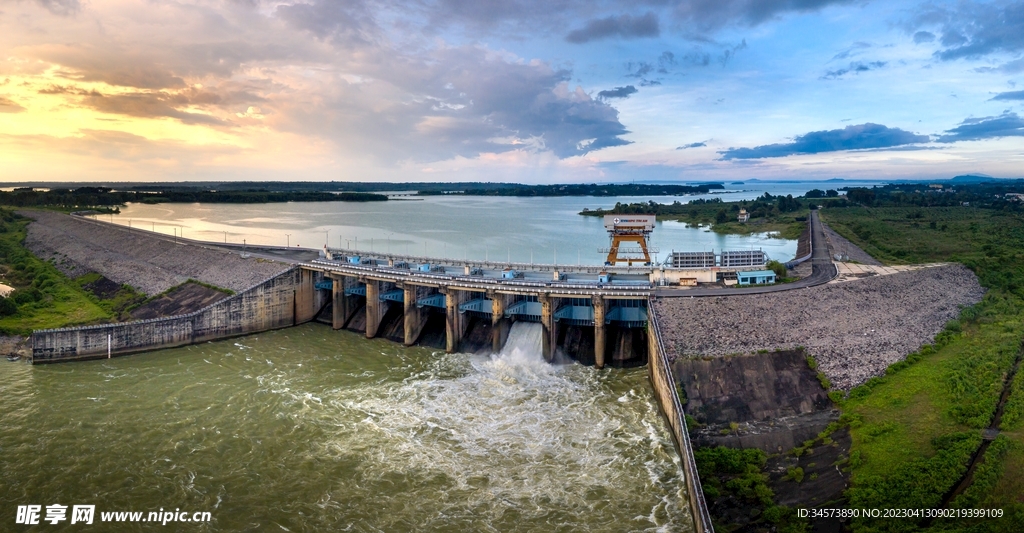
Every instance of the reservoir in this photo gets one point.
(540, 230)
(311, 429)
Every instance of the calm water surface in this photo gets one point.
(310, 429)
(540, 230)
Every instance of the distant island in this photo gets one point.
(108, 196)
(581, 190)
(105, 197)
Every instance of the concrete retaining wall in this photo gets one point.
(667, 395)
(284, 300)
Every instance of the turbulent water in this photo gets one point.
(309, 429)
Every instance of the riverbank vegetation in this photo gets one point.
(592, 189)
(916, 430)
(784, 215)
(105, 198)
(43, 296)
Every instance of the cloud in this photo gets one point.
(973, 29)
(973, 129)
(622, 26)
(343, 22)
(10, 106)
(618, 92)
(154, 105)
(692, 145)
(1010, 67)
(858, 137)
(923, 37)
(852, 50)
(1012, 95)
(856, 67)
(61, 7)
(709, 15)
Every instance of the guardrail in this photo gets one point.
(640, 291)
(699, 506)
(810, 242)
(497, 265)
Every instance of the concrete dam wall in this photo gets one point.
(284, 300)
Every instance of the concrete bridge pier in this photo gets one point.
(549, 340)
(455, 323)
(600, 332)
(500, 325)
(415, 318)
(343, 307)
(375, 308)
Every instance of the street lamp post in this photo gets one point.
(289, 241)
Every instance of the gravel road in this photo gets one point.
(854, 330)
(150, 263)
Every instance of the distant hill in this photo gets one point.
(973, 178)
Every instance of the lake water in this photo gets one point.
(541, 230)
(310, 429)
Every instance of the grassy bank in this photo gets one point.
(43, 296)
(915, 430)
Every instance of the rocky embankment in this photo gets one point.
(854, 330)
(140, 259)
(837, 244)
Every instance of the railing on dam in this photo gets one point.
(471, 283)
(493, 265)
(664, 384)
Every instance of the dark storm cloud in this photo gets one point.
(622, 26)
(1012, 95)
(856, 68)
(973, 29)
(692, 145)
(618, 92)
(858, 137)
(973, 129)
(10, 106)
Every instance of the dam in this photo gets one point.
(597, 315)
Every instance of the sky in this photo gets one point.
(509, 90)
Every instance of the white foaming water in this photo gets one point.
(512, 436)
(524, 338)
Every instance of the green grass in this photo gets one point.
(946, 390)
(915, 429)
(45, 298)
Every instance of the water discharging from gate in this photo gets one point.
(311, 429)
(524, 341)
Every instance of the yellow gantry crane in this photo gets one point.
(627, 229)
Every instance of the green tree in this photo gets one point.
(721, 217)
